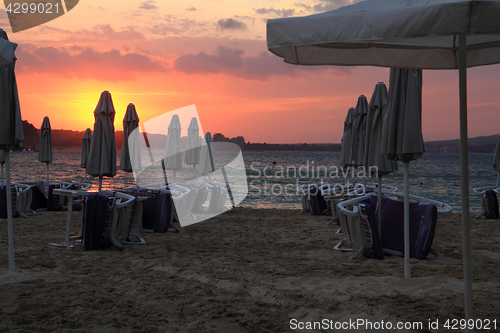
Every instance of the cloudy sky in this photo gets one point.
(163, 55)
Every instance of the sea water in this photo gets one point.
(434, 176)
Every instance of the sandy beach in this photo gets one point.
(252, 270)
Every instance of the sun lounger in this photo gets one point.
(105, 218)
(489, 202)
(24, 197)
(423, 215)
(3, 202)
(312, 199)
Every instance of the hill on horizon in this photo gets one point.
(62, 138)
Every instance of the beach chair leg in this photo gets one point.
(140, 240)
(66, 245)
(176, 228)
(339, 248)
(436, 253)
(357, 254)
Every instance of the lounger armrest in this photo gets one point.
(443, 208)
(354, 212)
(481, 190)
(126, 199)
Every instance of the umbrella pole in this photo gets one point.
(194, 170)
(8, 194)
(379, 208)
(48, 183)
(164, 171)
(407, 220)
(464, 175)
(100, 184)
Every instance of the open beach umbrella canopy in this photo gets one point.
(11, 125)
(173, 156)
(102, 156)
(130, 154)
(440, 34)
(45, 152)
(192, 156)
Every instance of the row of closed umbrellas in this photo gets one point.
(98, 155)
(386, 130)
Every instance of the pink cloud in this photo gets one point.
(236, 63)
(85, 63)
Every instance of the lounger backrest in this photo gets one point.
(423, 218)
(3, 202)
(318, 203)
(489, 203)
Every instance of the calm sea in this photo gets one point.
(434, 176)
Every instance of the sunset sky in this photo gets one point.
(163, 55)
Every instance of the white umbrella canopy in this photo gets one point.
(192, 156)
(173, 156)
(440, 34)
(359, 131)
(45, 152)
(496, 161)
(130, 154)
(87, 138)
(11, 126)
(102, 156)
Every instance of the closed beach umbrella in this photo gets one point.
(359, 131)
(377, 109)
(45, 152)
(421, 34)
(2, 162)
(402, 133)
(87, 138)
(193, 146)
(102, 156)
(206, 165)
(131, 151)
(496, 160)
(173, 158)
(346, 142)
(11, 127)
